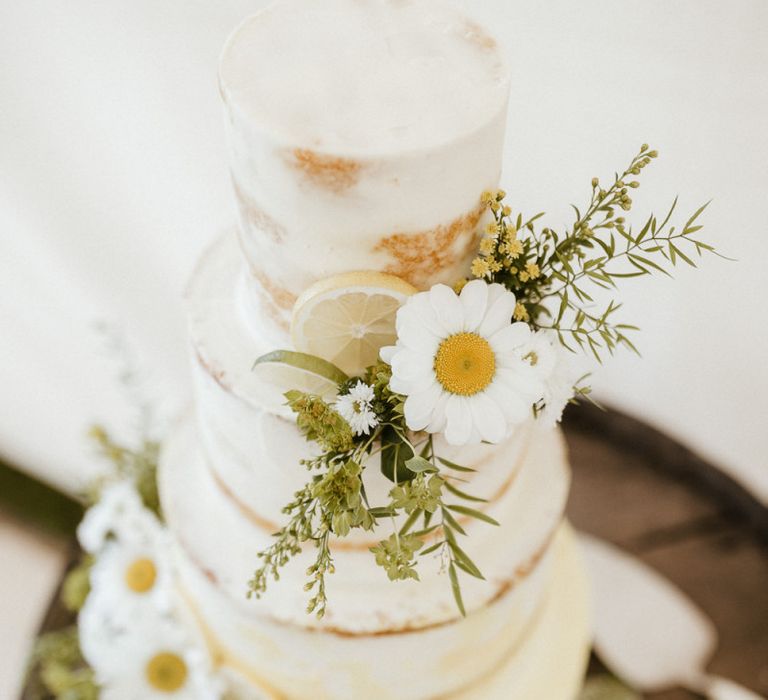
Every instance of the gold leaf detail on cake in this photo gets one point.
(417, 256)
(256, 216)
(283, 298)
(218, 375)
(478, 36)
(327, 172)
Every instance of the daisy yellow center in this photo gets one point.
(140, 575)
(465, 364)
(166, 672)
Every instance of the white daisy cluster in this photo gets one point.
(356, 407)
(131, 633)
(468, 370)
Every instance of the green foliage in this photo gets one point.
(423, 496)
(77, 585)
(396, 555)
(319, 422)
(419, 494)
(333, 502)
(59, 664)
(138, 465)
(339, 493)
(551, 272)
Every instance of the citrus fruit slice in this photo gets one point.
(288, 370)
(346, 319)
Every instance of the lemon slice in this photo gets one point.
(346, 319)
(294, 370)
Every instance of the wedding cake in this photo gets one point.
(362, 136)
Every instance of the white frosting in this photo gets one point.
(363, 76)
(362, 133)
(477, 658)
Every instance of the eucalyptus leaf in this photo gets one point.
(472, 513)
(461, 494)
(454, 466)
(456, 589)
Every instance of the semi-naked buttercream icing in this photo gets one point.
(362, 133)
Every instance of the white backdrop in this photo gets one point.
(113, 177)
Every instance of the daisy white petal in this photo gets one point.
(488, 418)
(510, 338)
(474, 299)
(447, 307)
(387, 353)
(438, 420)
(458, 420)
(498, 315)
(411, 365)
(516, 409)
(419, 406)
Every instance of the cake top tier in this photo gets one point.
(363, 76)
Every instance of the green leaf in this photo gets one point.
(431, 548)
(451, 522)
(649, 262)
(679, 252)
(563, 306)
(695, 215)
(453, 465)
(382, 512)
(418, 465)
(426, 531)
(303, 361)
(463, 560)
(472, 513)
(462, 494)
(408, 524)
(394, 454)
(456, 589)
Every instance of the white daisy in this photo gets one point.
(133, 579)
(119, 512)
(459, 361)
(151, 658)
(356, 408)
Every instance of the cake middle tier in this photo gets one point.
(223, 535)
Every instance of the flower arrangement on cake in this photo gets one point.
(470, 363)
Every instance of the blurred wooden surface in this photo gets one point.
(640, 490)
(644, 492)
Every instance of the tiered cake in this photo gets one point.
(362, 134)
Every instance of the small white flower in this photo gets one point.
(355, 407)
(150, 658)
(118, 512)
(551, 363)
(459, 360)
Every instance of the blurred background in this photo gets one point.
(113, 177)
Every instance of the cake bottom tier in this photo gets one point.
(547, 663)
